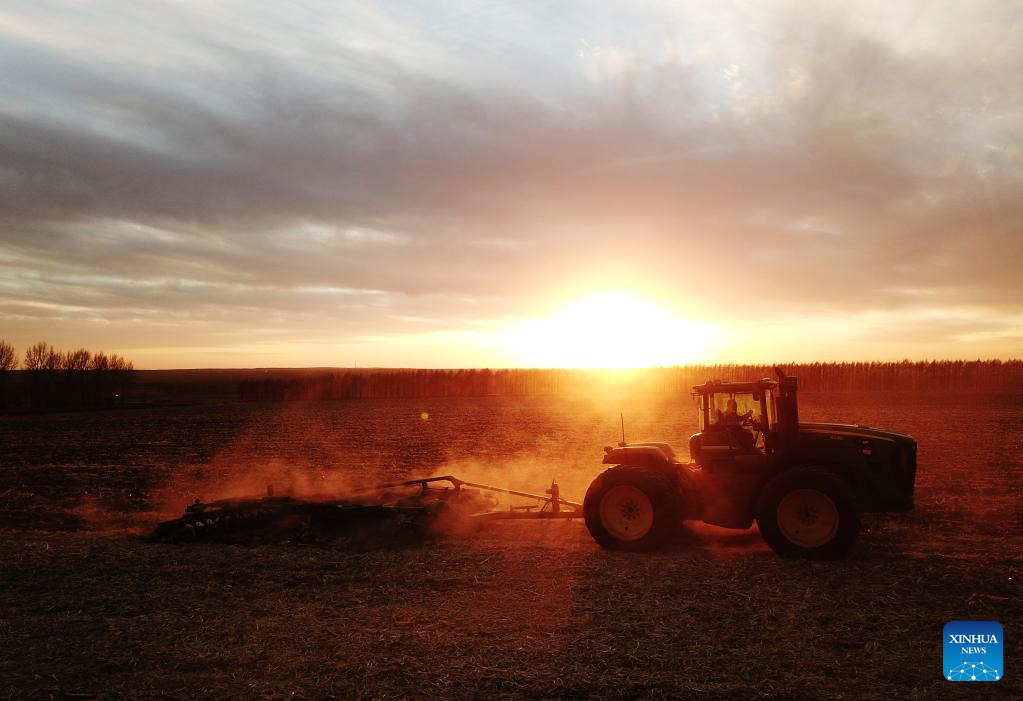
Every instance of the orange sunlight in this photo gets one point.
(612, 329)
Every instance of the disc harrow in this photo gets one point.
(411, 508)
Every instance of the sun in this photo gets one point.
(612, 329)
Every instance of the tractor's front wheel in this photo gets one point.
(632, 508)
(808, 512)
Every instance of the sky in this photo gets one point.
(461, 184)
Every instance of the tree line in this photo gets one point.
(51, 379)
(922, 376)
(54, 379)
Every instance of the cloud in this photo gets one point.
(380, 169)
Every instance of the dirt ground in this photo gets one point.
(519, 609)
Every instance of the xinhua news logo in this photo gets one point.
(973, 651)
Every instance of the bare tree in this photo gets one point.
(116, 362)
(100, 362)
(53, 360)
(122, 371)
(76, 360)
(8, 358)
(35, 356)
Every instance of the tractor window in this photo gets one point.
(721, 409)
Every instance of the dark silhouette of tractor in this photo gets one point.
(805, 484)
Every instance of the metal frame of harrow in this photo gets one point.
(551, 505)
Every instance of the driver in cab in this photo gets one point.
(734, 421)
(731, 414)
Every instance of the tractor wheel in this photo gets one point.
(632, 508)
(808, 512)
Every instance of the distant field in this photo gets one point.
(525, 609)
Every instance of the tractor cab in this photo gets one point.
(736, 414)
(742, 423)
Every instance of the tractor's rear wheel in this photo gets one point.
(808, 512)
(632, 508)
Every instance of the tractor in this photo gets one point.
(805, 484)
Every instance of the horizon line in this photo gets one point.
(588, 369)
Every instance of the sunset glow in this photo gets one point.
(612, 329)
